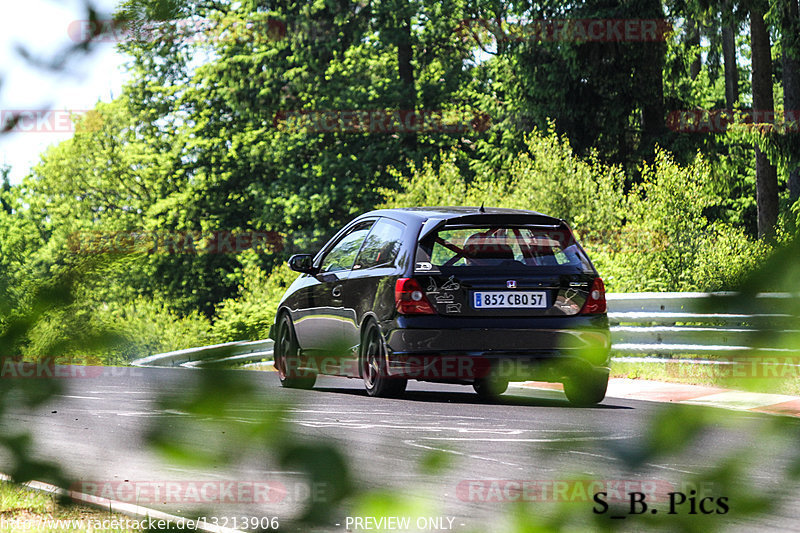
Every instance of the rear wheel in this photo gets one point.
(373, 366)
(287, 359)
(586, 389)
(490, 388)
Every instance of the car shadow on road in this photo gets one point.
(470, 398)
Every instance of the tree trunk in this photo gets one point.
(790, 43)
(693, 40)
(652, 68)
(405, 68)
(729, 56)
(763, 104)
(405, 55)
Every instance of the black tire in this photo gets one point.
(287, 360)
(586, 389)
(373, 366)
(490, 388)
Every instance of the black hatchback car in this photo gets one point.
(448, 294)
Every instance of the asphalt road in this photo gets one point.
(530, 446)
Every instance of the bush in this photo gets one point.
(728, 257)
(114, 333)
(655, 238)
(250, 315)
(429, 185)
(152, 327)
(548, 177)
(668, 244)
(551, 179)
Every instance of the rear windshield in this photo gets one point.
(502, 246)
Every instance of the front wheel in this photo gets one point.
(586, 389)
(373, 366)
(287, 358)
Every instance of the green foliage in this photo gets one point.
(113, 333)
(596, 92)
(199, 145)
(778, 139)
(192, 144)
(716, 257)
(429, 184)
(668, 243)
(249, 315)
(16, 322)
(795, 210)
(546, 177)
(728, 256)
(655, 238)
(76, 307)
(549, 177)
(146, 327)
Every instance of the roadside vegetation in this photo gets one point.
(239, 145)
(98, 262)
(658, 233)
(778, 377)
(24, 509)
(143, 205)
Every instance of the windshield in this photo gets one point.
(506, 246)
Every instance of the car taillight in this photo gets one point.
(409, 298)
(596, 302)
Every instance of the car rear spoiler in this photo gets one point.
(433, 224)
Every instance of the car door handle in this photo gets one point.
(337, 291)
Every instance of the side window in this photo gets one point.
(382, 245)
(343, 254)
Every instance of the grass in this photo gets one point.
(26, 510)
(746, 376)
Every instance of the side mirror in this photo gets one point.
(302, 263)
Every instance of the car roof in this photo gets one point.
(421, 214)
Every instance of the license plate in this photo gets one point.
(509, 299)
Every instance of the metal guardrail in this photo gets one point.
(667, 324)
(690, 323)
(227, 354)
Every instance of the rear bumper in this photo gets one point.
(465, 348)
